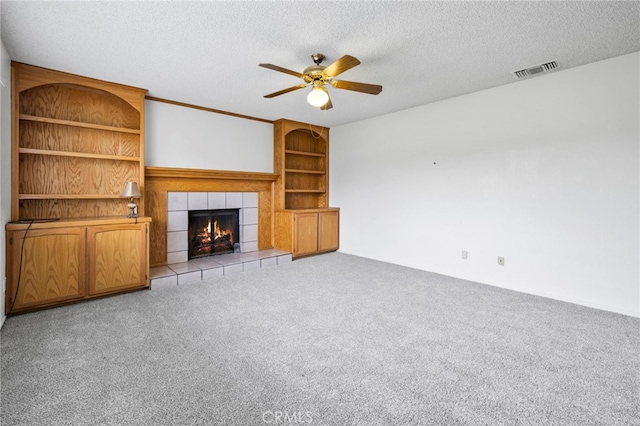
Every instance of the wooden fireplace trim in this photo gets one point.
(161, 180)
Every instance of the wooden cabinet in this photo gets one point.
(118, 257)
(70, 260)
(50, 263)
(306, 232)
(328, 230)
(304, 222)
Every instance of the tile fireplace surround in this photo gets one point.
(181, 271)
(180, 203)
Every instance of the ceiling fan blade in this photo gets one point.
(341, 65)
(328, 105)
(287, 90)
(284, 70)
(372, 89)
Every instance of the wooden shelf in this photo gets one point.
(74, 222)
(306, 153)
(67, 196)
(76, 142)
(77, 154)
(313, 172)
(27, 117)
(301, 158)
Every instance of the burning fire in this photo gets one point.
(217, 232)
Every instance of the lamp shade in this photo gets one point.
(318, 96)
(131, 190)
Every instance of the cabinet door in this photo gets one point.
(118, 258)
(306, 233)
(328, 235)
(45, 268)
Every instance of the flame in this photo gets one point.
(206, 233)
(220, 233)
(212, 232)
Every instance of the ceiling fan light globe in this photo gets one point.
(318, 97)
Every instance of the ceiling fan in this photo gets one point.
(318, 76)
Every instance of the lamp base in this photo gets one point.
(132, 209)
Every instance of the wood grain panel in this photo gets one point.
(303, 181)
(78, 103)
(305, 231)
(54, 137)
(117, 258)
(328, 230)
(53, 267)
(279, 164)
(160, 180)
(63, 209)
(40, 174)
(299, 201)
(283, 230)
(156, 206)
(265, 219)
(305, 140)
(304, 162)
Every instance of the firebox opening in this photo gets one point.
(213, 232)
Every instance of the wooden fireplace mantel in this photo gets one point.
(190, 174)
(161, 180)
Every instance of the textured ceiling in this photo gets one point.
(207, 53)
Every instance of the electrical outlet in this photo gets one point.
(500, 261)
(465, 255)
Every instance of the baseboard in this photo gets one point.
(580, 302)
(575, 301)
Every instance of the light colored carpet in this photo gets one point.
(328, 340)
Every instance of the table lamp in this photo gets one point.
(131, 191)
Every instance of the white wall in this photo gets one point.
(544, 172)
(177, 136)
(5, 163)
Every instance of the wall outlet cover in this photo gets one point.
(500, 261)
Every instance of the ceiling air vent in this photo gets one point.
(549, 66)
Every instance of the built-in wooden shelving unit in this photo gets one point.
(76, 142)
(304, 223)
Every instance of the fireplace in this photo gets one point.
(213, 232)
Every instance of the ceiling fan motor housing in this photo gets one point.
(313, 73)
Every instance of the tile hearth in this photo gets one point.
(200, 269)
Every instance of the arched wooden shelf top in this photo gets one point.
(32, 76)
